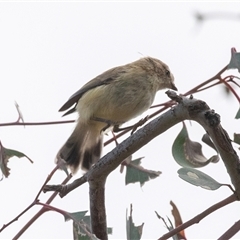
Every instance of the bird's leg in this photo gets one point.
(108, 122)
(116, 128)
(133, 127)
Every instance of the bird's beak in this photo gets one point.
(173, 87)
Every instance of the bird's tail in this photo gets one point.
(83, 148)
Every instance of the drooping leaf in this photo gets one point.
(235, 60)
(188, 153)
(136, 173)
(133, 232)
(198, 178)
(5, 155)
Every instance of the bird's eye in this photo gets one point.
(168, 73)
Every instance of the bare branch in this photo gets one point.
(231, 231)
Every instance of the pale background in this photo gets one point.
(48, 50)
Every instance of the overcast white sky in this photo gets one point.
(48, 50)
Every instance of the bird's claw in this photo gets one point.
(139, 124)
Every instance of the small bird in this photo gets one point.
(109, 100)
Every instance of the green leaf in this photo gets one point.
(198, 178)
(235, 60)
(5, 155)
(188, 153)
(76, 216)
(236, 138)
(238, 114)
(14, 153)
(133, 232)
(136, 173)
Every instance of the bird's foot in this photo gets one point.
(134, 127)
(109, 123)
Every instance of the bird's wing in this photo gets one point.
(103, 79)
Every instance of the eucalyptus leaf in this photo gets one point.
(238, 114)
(136, 173)
(236, 138)
(188, 153)
(198, 178)
(5, 155)
(76, 216)
(133, 232)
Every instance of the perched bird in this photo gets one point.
(109, 100)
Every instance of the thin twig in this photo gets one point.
(34, 123)
(200, 216)
(39, 213)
